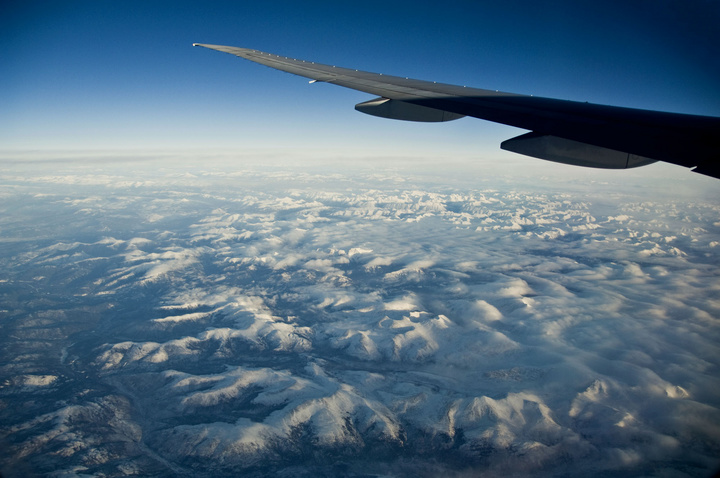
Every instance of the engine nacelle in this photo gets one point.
(401, 110)
(560, 150)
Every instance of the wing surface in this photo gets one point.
(564, 131)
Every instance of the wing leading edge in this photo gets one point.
(564, 131)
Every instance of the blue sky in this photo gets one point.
(123, 75)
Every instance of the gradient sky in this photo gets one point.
(94, 75)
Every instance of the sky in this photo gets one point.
(100, 75)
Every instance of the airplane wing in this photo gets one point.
(571, 132)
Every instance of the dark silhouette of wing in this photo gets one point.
(570, 132)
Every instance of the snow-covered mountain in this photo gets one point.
(209, 322)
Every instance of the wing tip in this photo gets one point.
(708, 169)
